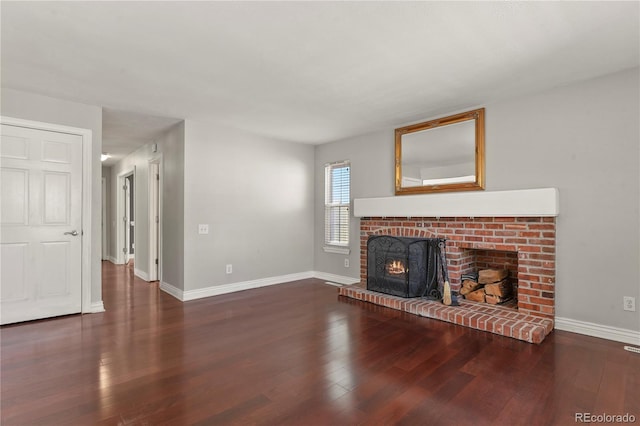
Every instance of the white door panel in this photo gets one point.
(56, 152)
(15, 196)
(14, 146)
(41, 201)
(57, 202)
(14, 272)
(55, 281)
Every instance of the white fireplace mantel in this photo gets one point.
(525, 202)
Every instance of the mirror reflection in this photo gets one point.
(446, 154)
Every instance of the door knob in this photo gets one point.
(74, 233)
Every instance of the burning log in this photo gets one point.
(396, 267)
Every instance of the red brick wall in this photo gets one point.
(496, 241)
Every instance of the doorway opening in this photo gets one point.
(125, 228)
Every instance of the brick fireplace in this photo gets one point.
(523, 244)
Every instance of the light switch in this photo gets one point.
(203, 229)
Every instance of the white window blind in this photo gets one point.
(337, 197)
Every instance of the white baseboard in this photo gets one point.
(247, 285)
(597, 330)
(243, 285)
(114, 260)
(140, 274)
(335, 278)
(96, 307)
(172, 290)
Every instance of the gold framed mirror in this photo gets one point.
(445, 154)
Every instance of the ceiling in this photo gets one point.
(308, 72)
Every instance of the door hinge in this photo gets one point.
(157, 176)
(156, 261)
(124, 250)
(157, 219)
(124, 187)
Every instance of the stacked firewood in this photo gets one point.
(492, 286)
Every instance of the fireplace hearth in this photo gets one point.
(405, 267)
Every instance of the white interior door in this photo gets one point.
(41, 218)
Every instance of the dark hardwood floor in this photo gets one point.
(296, 354)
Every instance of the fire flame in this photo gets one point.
(396, 267)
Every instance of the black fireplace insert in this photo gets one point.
(406, 267)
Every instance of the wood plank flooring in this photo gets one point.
(295, 354)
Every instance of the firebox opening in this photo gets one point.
(476, 260)
(405, 267)
(396, 267)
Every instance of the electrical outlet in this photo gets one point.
(346, 263)
(203, 229)
(629, 303)
(229, 268)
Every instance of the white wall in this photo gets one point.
(171, 150)
(584, 140)
(172, 188)
(372, 175)
(256, 195)
(29, 106)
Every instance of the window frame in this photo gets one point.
(336, 246)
